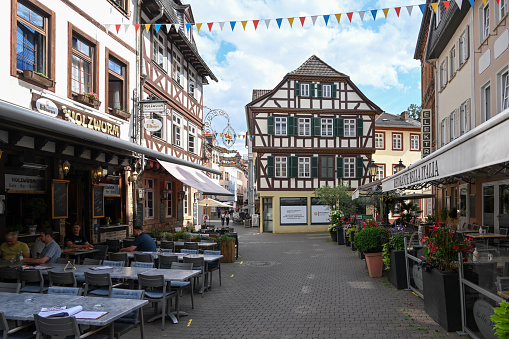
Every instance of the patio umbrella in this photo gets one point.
(212, 203)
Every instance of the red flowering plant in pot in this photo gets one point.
(443, 246)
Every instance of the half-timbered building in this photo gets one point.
(315, 128)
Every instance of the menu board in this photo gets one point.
(98, 200)
(59, 189)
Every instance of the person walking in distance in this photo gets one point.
(227, 217)
(222, 219)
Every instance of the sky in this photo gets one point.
(376, 54)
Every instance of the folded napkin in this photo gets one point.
(60, 311)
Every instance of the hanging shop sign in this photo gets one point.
(24, 183)
(152, 125)
(426, 127)
(111, 190)
(153, 107)
(76, 116)
(46, 106)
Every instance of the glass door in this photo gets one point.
(488, 208)
(503, 206)
(267, 215)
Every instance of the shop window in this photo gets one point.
(34, 35)
(149, 199)
(117, 83)
(83, 64)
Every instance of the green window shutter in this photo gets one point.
(295, 126)
(319, 88)
(360, 167)
(360, 127)
(317, 127)
(289, 126)
(312, 89)
(336, 127)
(297, 89)
(270, 125)
(294, 167)
(334, 90)
(341, 127)
(314, 167)
(270, 166)
(339, 167)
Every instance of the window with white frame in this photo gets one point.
(485, 102)
(463, 46)
(380, 173)
(349, 127)
(443, 73)
(192, 85)
(326, 91)
(438, 16)
(452, 61)
(192, 139)
(415, 141)
(280, 166)
(463, 118)
(186, 201)
(379, 140)
(280, 126)
(396, 141)
(149, 198)
(158, 49)
(452, 124)
(349, 167)
(177, 68)
(484, 12)
(304, 90)
(162, 119)
(503, 92)
(169, 199)
(327, 127)
(177, 130)
(502, 9)
(304, 167)
(304, 126)
(443, 132)
(82, 74)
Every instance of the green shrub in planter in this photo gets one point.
(370, 240)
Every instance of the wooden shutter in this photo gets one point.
(295, 126)
(467, 42)
(319, 88)
(317, 127)
(339, 167)
(314, 167)
(289, 126)
(360, 167)
(467, 115)
(270, 125)
(457, 123)
(341, 127)
(270, 166)
(334, 90)
(297, 89)
(312, 89)
(360, 127)
(294, 167)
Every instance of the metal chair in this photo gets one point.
(65, 261)
(213, 265)
(502, 283)
(165, 261)
(64, 290)
(179, 286)
(103, 252)
(90, 261)
(142, 264)
(113, 263)
(119, 257)
(62, 327)
(198, 264)
(62, 279)
(127, 242)
(155, 292)
(14, 333)
(168, 245)
(31, 281)
(191, 246)
(10, 287)
(143, 257)
(188, 251)
(98, 284)
(131, 320)
(113, 245)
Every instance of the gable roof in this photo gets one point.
(259, 92)
(391, 120)
(314, 66)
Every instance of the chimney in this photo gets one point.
(405, 115)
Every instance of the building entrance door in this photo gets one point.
(463, 205)
(267, 215)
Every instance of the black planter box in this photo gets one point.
(334, 235)
(347, 237)
(442, 298)
(397, 272)
(340, 236)
(352, 237)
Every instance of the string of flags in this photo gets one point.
(291, 20)
(229, 136)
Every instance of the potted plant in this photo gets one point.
(226, 245)
(119, 221)
(394, 257)
(89, 98)
(440, 276)
(370, 241)
(108, 221)
(196, 237)
(336, 227)
(38, 78)
(500, 318)
(121, 112)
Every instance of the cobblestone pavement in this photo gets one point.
(298, 286)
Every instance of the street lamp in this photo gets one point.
(399, 167)
(373, 169)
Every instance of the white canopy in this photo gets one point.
(212, 203)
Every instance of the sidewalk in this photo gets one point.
(298, 286)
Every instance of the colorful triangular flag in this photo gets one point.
(338, 17)
(471, 3)
(147, 27)
(255, 24)
(136, 27)
(302, 19)
(168, 27)
(117, 27)
(267, 23)
(326, 19)
(422, 8)
(361, 14)
(313, 18)
(107, 27)
(459, 3)
(349, 16)
(386, 11)
(279, 21)
(232, 24)
(484, 2)
(409, 9)
(210, 24)
(244, 23)
(434, 5)
(373, 13)
(126, 27)
(290, 20)
(188, 27)
(446, 4)
(158, 27)
(221, 25)
(198, 26)
(397, 9)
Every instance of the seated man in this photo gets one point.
(51, 251)
(12, 247)
(143, 242)
(77, 240)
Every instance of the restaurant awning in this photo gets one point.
(194, 178)
(482, 151)
(26, 117)
(367, 189)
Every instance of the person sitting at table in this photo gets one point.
(51, 251)
(11, 248)
(142, 242)
(76, 239)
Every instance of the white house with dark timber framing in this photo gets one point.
(314, 128)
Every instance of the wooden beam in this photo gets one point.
(40, 142)
(15, 136)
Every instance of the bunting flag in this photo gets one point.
(117, 27)
(198, 26)
(459, 2)
(136, 27)
(386, 11)
(232, 24)
(361, 14)
(290, 20)
(107, 28)
(279, 21)
(302, 19)
(244, 23)
(326, 19)
(423, 7)
(397, 9)
(434, 6)
(446, 4)
(267, 23)
(409, 9)
(147, 27)
(313, 18)
(373, 13)
(210, 24)
(158, 27)
(338, 17)
(471, 3)
(221, 25)
(255, 24)
(126, 27)
(188, 27)
(349, 15)
(168, 27)
(484, 2)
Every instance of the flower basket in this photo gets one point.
(88, 101)
(120, 113)
(37, 78)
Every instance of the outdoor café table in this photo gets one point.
(201, 245)
(79, 253)
(173, 275)
(24, 306)
(486, 237)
